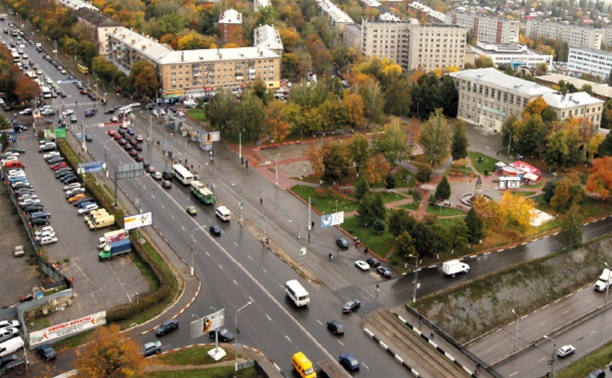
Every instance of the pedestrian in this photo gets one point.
(330, 256)
(365, 250)
(377, 288)
(260, 201)
(157, 143)
(431, 336)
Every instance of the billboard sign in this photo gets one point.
(90, 167)
(208, 323)
(70, 328)
(332, 219)
(214, 136)
(136, 221)
(60, 133)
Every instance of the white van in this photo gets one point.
(223, 213)
(11, 346)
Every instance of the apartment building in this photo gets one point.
(230, 27)
(576, 105)
(97, 25)
(512, 54)
(590, 61)
(266, 36)
(432, 15)
(486, 28)
(575, 36)
(352, 37)
(414, 46)
(606, 38)
(258, 4)
(335, 15)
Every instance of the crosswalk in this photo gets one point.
(75, 104)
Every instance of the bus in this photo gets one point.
(296, 292)
(83, 69)
(182, 174)
(201, 192)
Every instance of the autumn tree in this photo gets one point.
(110, 354)
(530, 134)
(377, 168)
(435, 138)
(26, 89)
(336, 162)
(314, 155)
(144, 79)
(359, 148)
(562, 145)
(569, 193)
(600, 177)
(220, 110)
(354, 109)
(516, 212)
(373, 100)
(459, 141)
(392, 142)
(570, 234)
(458, 231)
(443, 190)
(276, 122)
(196, 41)
(489, 212)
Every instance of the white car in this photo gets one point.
(28, 196)
(362, 265)
(565, 351)
(74, 191)
(87, 209)
(74, 185)
(29, 202)
(9, 323)
(68, 112)
(50, 155)
(44, 230)
(47, 240)
(156, 175)
(44, 235)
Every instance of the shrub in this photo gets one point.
(424, 173)
(390, 182)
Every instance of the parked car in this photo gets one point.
(39, 222)
(8, 333)
(166, 326)
(87, 209)
(224, 335)
(384, 271)
(47, 240)
(373, 262)
(362, 265)
(349, 361)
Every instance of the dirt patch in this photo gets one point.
(486, 304)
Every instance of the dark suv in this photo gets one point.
(166, 326)
(91, 112)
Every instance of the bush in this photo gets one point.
(486, 172)
(379, 226)
(389, 182)
(424, 173)
(417, 196)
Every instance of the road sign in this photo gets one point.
(90, 167)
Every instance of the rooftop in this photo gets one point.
(602, 90)
(570, 100)
(217, 55)
(230, 16)
(77, 4)
(503, 49)
(150, 47)
(594, 51)
(96, 18)
(334, 12)
(267, 36)
(499, 79)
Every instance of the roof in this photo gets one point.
(499, 79)
(267, 36)
(213, 55)
(230, 16)
(77, 4)
(570, 100)
(603, 90)
(96, 18)
(145, 45)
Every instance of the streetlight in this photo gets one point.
(216, 333)
(236, 339)
(105, 161)
(518, 320)
(276, 169)
(552, 360)
(416, 273)
(191, 248)
(607, 283)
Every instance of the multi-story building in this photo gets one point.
(512, 54)
(575, 36)
(576, 105)
(77, 4)
(266, 36)
(352, 37)
(230, 26)
(486, 28)
(335, 15)
(432, 15)
(414, 46)
(606, 38)
(194, 72)
(590, 61)
(258, 4)
(97, 25)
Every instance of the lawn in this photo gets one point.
(380, 244)
(198, 115)
(403, 179)
(216, 372)
(482, 162)
(410, 206)
(524, 194)
(392, 197)
(598, 359)
(326, 205)
(442, 211)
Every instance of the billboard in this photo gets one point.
(60, 133)
(208, 323)
(67, 329)
(90, 167)
(136, 221)
(332, 219)
(213, 136)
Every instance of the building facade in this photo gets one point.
(266, 36)
(98, 26)
(590, 61)
(512, 54)
(486, 29)
(576, 105)
(230, 27)
(335, 15)
(575, 36)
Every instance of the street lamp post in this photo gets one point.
(416, 275)
(607, 283)
(192, 239)
(276, 169)
(240, 146)
(106, 161)
(552, 358)
(236, 339)
(518, 320)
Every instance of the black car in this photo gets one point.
(32, 208)
(109, 111)
(351, 306)
(64, 173)
(79, 202)
(336, 327)
(166, 326)
(215, 230)
(46, 148)
(92, 96)
(70, 180)
(342, 242)
(384, 271)
(39, 222)
(18, 150)
(19, 128)
(88, 138)
(349, 361)
(47, 352)
(224, 335)
(22, 185)
(373, 262)
(91, 112)
(7, 359)
(56, 159)
(166, 175)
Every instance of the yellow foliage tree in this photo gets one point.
(289, 36)
(516, 211)
(600, 177)
(489, 211)
(534, 107)
(276, 121)
(354, 108)
(377, 168)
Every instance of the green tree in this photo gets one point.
(359, 147)
(549, 191)
(605, 148)
(4, 141)
(423, 236)
(458, 233)
(397, 97)
(331, 115)
(309, 96)
(221, 109)
(405, 245)
(379, 226)
(443, 190)
(363, 188)
(459, 141)
(401, 220)
(531, 134)
(248, 116)
(144, 79)
(435, 138)
(373, 100)
(562, 148)
(336, 162)
(365, 213)
(379, 210)
(569, 193)
(475, 227)
(392, 142)
(260, 89)
(570, 234)
(424, 173)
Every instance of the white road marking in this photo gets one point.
(236, 244)
(287, 337)
(269, 318)
(220, 266)
(341, 343)
(513, 373)
(318, 321)
(183, 227)
(207, 254)
(366, 366)
(249, 257)
(235, 283)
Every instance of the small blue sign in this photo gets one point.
(91, 166)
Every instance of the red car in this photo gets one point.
(117, 136)
(133, 153)
(84, 91)
(122, 142)
(57, 166)
(128, 147)
(111, 132)
(139, 158)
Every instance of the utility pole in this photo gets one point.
(309, 220)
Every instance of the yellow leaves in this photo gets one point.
(230, 46)
(534, 107)
(600, 177)
(377, 168)
(289, 36)
(276, 122)
(392, 70)
(414, 78)
(354, 108)
(517, 211)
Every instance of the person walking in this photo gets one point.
(377, 289)
(260, 201)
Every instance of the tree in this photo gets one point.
(314, 155)
(489, 212)
(401, 220)
(276, 121)
(549, 191)
(336, 162)
(248, 117)
(569, 193)
(377, 168)
(364, 211)
(435, 138)
(26, 89)
(354, 108)
(605, 147)
(363, 188)
(379, 210)
(562, 147)
(397, 97)
(110, 353)
(516, 211)
(459, 141)
(4, 141)
(530, 134)
(379, 226)
(392, 142)
(221, 109)
(373, 100)
(475, 230)
(570, 234)
(405, 245)
(458, 233)
(144, 79)
(600, 177)
(260, 89)
(359, 148)
(424, 173)
(443, 190)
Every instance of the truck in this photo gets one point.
(112, 236)
(202, 193)
(453, 267)
(330, 368)
(3, 16)
(115, 248)
(604, 280)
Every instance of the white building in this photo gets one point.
(590, 61)
(258, 4)
(576, 105)
(336, 16)
(267, 36)
(432, 15)
(575, 36)
(512, 54)
(486, 29)
(77, 4)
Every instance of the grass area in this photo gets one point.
(217, 372)
(381, 243)
(403, 179)
(538, 184)
(442, 211)
(524, 194)
(598, 359)
(327, 204)
(74, 341)
(410, 206)
(198, 115)
(392, 197)
(193, 356)
(446, 222)
(482, 162)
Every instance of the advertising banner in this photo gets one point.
(90, 167)
(69, 328)
(208, 323)
(332, 219)
(136, 221)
